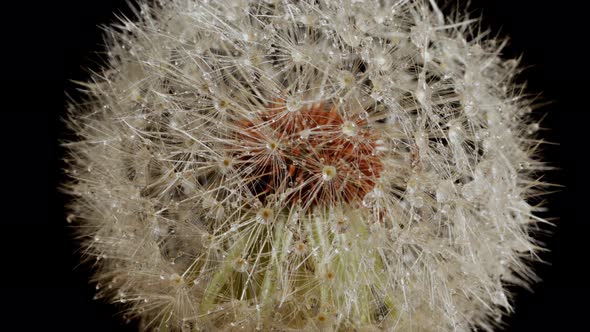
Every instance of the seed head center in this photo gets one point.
(318, 139)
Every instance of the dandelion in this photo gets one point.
(326, 165)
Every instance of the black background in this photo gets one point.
(47, 44)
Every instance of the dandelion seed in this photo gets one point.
(240, 264)
(340, 224)
(176, 279)
(330, 276)
(264, 216)
(300, 248)
(322, 318)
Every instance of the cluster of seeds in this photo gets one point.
(311, 165)
(309, 156)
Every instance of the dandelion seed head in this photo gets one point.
(300, 248)
(305, 165)
(265, 215)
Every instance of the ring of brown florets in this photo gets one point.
(311, 156)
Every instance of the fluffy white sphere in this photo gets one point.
(340, 165)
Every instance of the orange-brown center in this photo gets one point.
(311, 156)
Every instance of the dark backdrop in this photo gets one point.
(49, 43)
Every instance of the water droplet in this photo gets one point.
(272, 145)
(369, 199)
(207, 240)
(470, 191)
(297, 57)
(304, 134)
(345, 79)
(293, 104)
(328, 173)
(240, 264)
(532, 128)
(418, 202)
(444, 191)
(349, 128)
